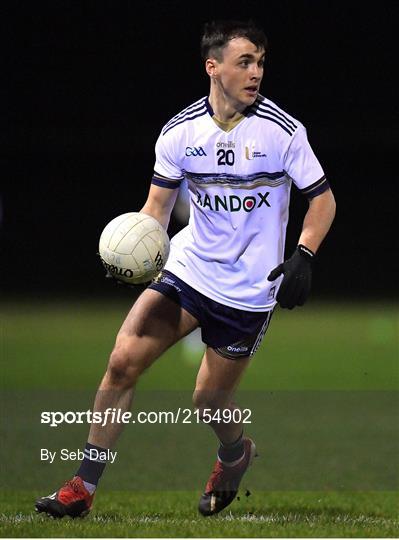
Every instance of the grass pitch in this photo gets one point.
(323, 389)
(173, 514)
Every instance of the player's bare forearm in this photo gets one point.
(159, 204)
(318, 220)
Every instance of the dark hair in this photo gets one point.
(217, 34)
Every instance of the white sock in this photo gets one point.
(231, 463)
(91, 488)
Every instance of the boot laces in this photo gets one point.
(74, 484)
(221, 477)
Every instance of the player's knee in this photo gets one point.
(123, 368)
(205, 401)
(198, 400)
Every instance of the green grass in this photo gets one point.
(328, 346)
(323, 394)
(173, 514)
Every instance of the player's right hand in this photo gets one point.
(138, 288)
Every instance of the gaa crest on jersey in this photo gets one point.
(195, 151)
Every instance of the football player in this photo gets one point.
(240, 153)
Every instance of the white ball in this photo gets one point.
(134, 247)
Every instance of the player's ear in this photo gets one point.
(211, 67)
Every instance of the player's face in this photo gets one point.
(240, 73)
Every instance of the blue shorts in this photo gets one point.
(232, 333)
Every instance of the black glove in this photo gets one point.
(297, 270)
(137, 289)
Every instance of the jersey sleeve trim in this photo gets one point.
(162, 181)
(317, 188)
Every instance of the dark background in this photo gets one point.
(87, 87)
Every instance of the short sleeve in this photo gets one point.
(167, 172)
(303, 167)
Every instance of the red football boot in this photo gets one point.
(72, 499)
(223, 483)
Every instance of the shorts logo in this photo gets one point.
(161, 278)
(231, 348)
(192, 151)
(233, 203)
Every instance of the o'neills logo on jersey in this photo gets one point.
(228, 144)
(233, 203)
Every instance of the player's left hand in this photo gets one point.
(296, 284)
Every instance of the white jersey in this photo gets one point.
(239, 180)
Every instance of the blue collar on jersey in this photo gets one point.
(211, 112)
